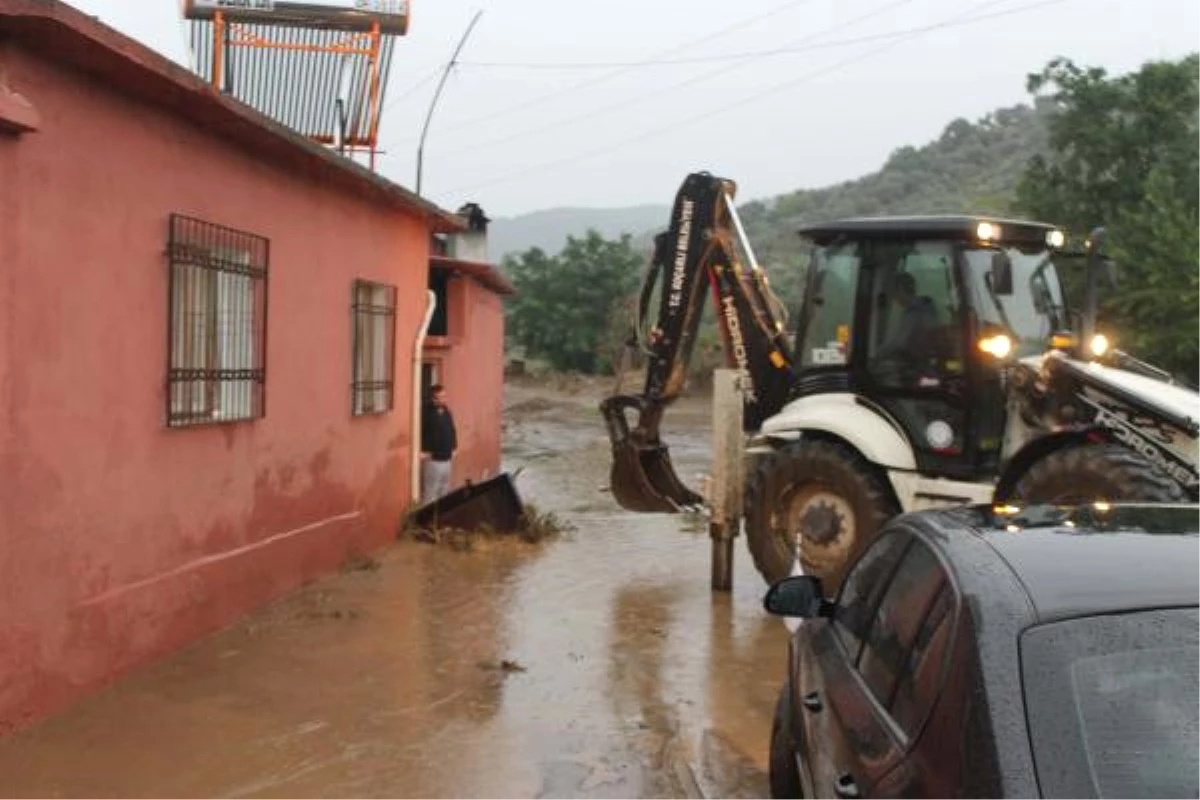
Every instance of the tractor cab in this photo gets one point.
(914, 314)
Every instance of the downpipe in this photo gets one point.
(414, 475)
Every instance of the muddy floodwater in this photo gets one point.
(595, 665)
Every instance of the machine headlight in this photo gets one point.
(998, 346)
(988, 231)
(1055, 238)
(1098, 345)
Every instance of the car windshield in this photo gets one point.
(1035, 308)
(1113, 704)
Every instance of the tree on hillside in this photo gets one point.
(1108, 134)
(566, 306)
(1124, 154)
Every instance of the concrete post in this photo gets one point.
(725, 498)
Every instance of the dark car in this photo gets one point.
(998, 652)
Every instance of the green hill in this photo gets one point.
(973, 167)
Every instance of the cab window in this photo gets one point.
(916, 314)
(828, 316)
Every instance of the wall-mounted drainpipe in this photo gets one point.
(414, 486)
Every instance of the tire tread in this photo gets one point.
(819, 456)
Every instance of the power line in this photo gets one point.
(744, 55)
(621, 70)
(416, 87)
(671, 88)
(676, 125)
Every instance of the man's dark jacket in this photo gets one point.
(438, 437)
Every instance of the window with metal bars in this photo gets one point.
(374, 310)
(216, 325)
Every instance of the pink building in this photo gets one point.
(207, 357)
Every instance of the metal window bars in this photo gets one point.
(217, 323)
(372, 387)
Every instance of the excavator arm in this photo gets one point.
(705, 247)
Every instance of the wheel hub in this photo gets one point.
(821, 523)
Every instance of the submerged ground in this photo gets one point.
(595, 665)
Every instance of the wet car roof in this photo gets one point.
(1096, 559)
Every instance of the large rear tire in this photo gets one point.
(823, 492)
(1088, 472)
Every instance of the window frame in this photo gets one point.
(908, 539)
(882, 320)
(901, 541)
(371, 320)
(839, 353)
(882, 668)
(199, 253)
(927, 641)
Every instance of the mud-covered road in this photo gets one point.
(595, 665)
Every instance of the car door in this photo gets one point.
(903, 662)
(870, 708)
(838, 729)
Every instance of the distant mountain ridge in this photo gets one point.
(972, 167)
(550, 228)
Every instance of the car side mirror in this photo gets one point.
(798, 596)
(1002, 273)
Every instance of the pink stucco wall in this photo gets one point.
(470, 362)
(120, 539)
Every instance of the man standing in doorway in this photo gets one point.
(438, 443)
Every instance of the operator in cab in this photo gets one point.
(916, 319)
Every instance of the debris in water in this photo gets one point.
(359, 562)
(505, 665)
(533, 526)
(323, 605)
(538, 525)
(535, 405)
(493, 502)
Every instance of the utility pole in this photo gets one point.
(437, 95)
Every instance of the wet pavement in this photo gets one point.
(595, 665)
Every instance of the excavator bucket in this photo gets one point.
(642, 478)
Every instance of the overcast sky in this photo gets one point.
(521, 138)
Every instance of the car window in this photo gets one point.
(921, 677)
(862, 588)
(1113, 704)
(905, 604)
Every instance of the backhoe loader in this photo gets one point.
(933, 363)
